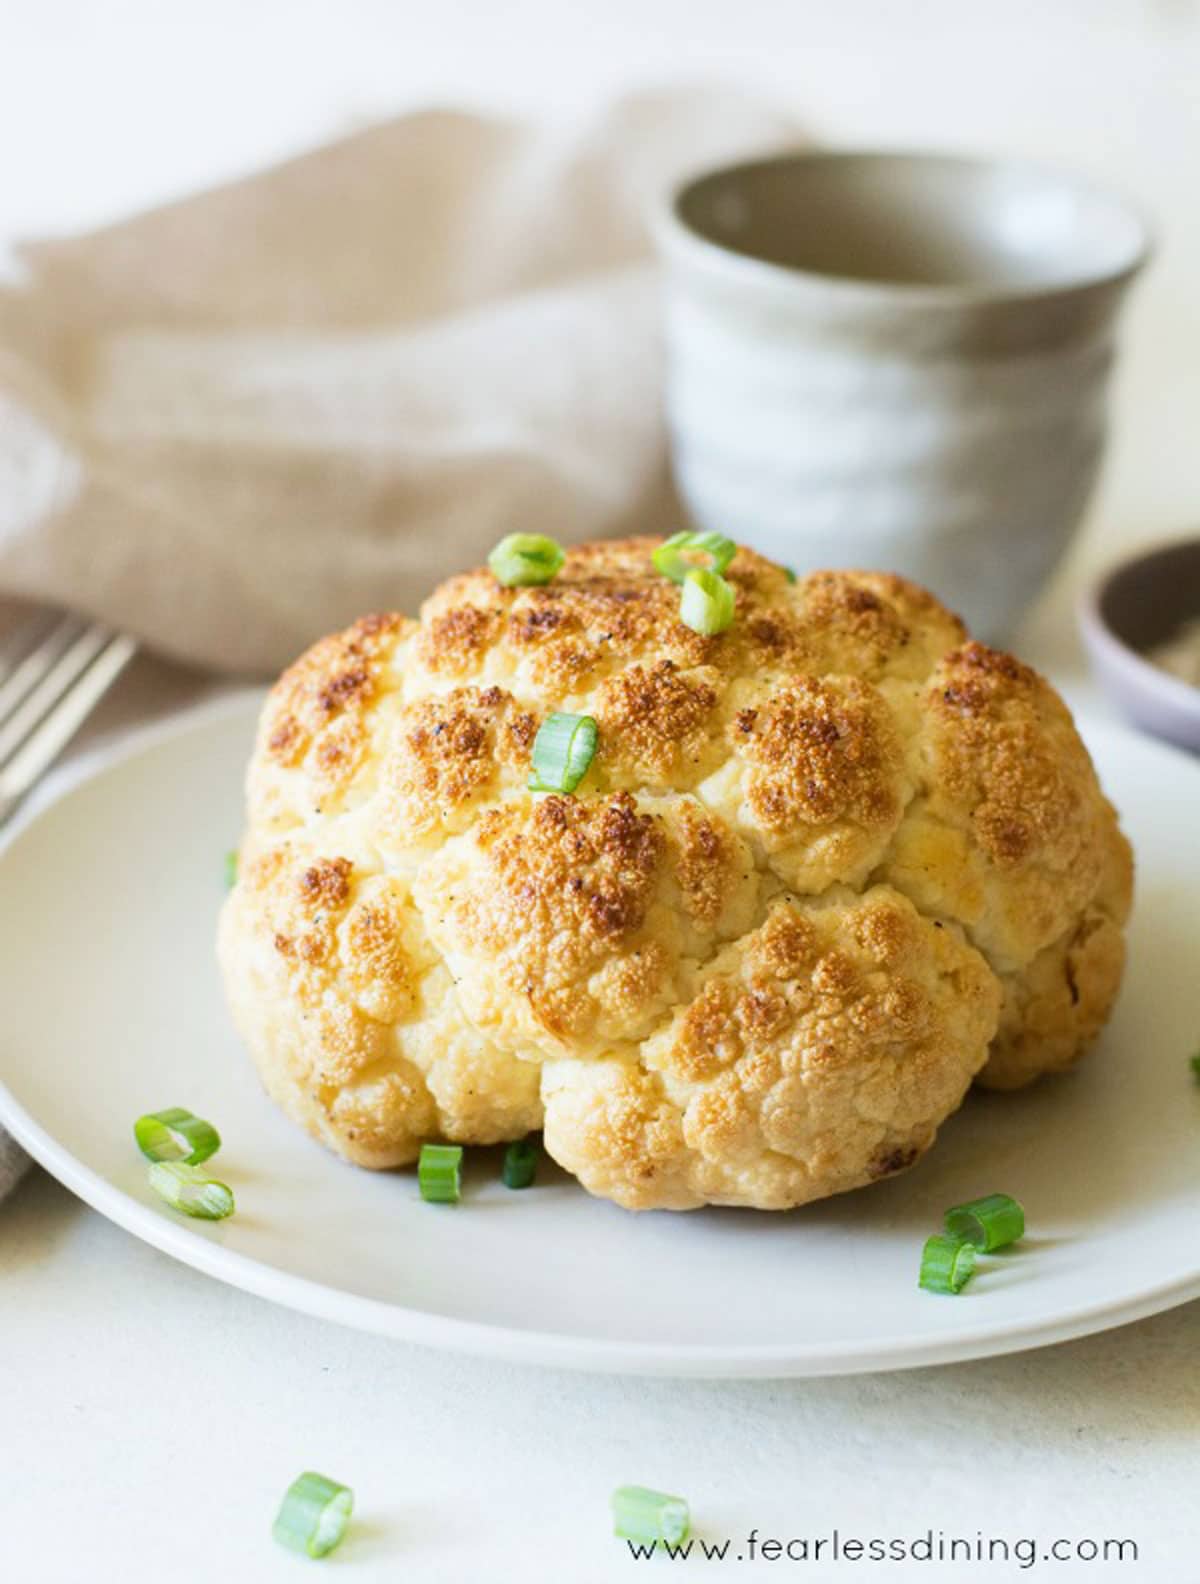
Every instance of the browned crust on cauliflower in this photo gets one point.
(820, 1053)
(353, 1021)
(568, 921)
(823, 869)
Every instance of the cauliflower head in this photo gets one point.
(824, 869)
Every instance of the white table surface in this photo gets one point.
(149, 1417)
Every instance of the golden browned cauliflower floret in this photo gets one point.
(817, 1053)
(823, 869)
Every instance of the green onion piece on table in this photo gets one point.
(191, 1190)
(946, 1265)
(231, 868)
(176, 1135)
(649, 1515)
(521, 560)
(520, 1163)
(990, 1223)
(675, 557)
(562, 752)
(439, 1173)
(706, 603)
(314, 1515)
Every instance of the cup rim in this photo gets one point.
(675, 234)
(1108, 640)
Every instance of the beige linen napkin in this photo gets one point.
(237, 422)
(240, 421)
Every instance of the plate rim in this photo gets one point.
(483, 1339)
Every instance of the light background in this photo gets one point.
(148, 1415)
(105, 108)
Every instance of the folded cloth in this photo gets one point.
(237, 422)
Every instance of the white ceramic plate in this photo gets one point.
(112, 1007)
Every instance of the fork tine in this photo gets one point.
(71, 663)
(19, 640)
(59, 722)
(27, 671)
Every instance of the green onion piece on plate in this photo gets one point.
(439, 1173)
(521, 560)
(231, 868)
(649, 1515)
(706, 603)
(1194, 1064)
(314, 1516)
(562, 752)
(520, 1163)
(676, 556)
(190, 1190)
(946, 1265)
(990, 1223)
(176, 1135)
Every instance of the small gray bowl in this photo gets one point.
(1135, 606)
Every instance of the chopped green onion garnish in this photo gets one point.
(562, 751)
(314, 1516)
(176, 1135)
(520, 1163)
(439, 1173)
(946, 1265)
(706, 604)
(673, 560)
(1195, 1065)
(191, 1190)
(990, 1223)
(521, 559)
(649, 1515)
(231, 868)
(789, 574)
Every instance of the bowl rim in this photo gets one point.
(1097, 628)
(673, 233)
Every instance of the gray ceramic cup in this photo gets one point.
(895, 361)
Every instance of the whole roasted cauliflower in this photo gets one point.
(823, 870)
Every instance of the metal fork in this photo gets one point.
(54, 670)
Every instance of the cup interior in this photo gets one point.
(1147, 599)
(916, 220)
